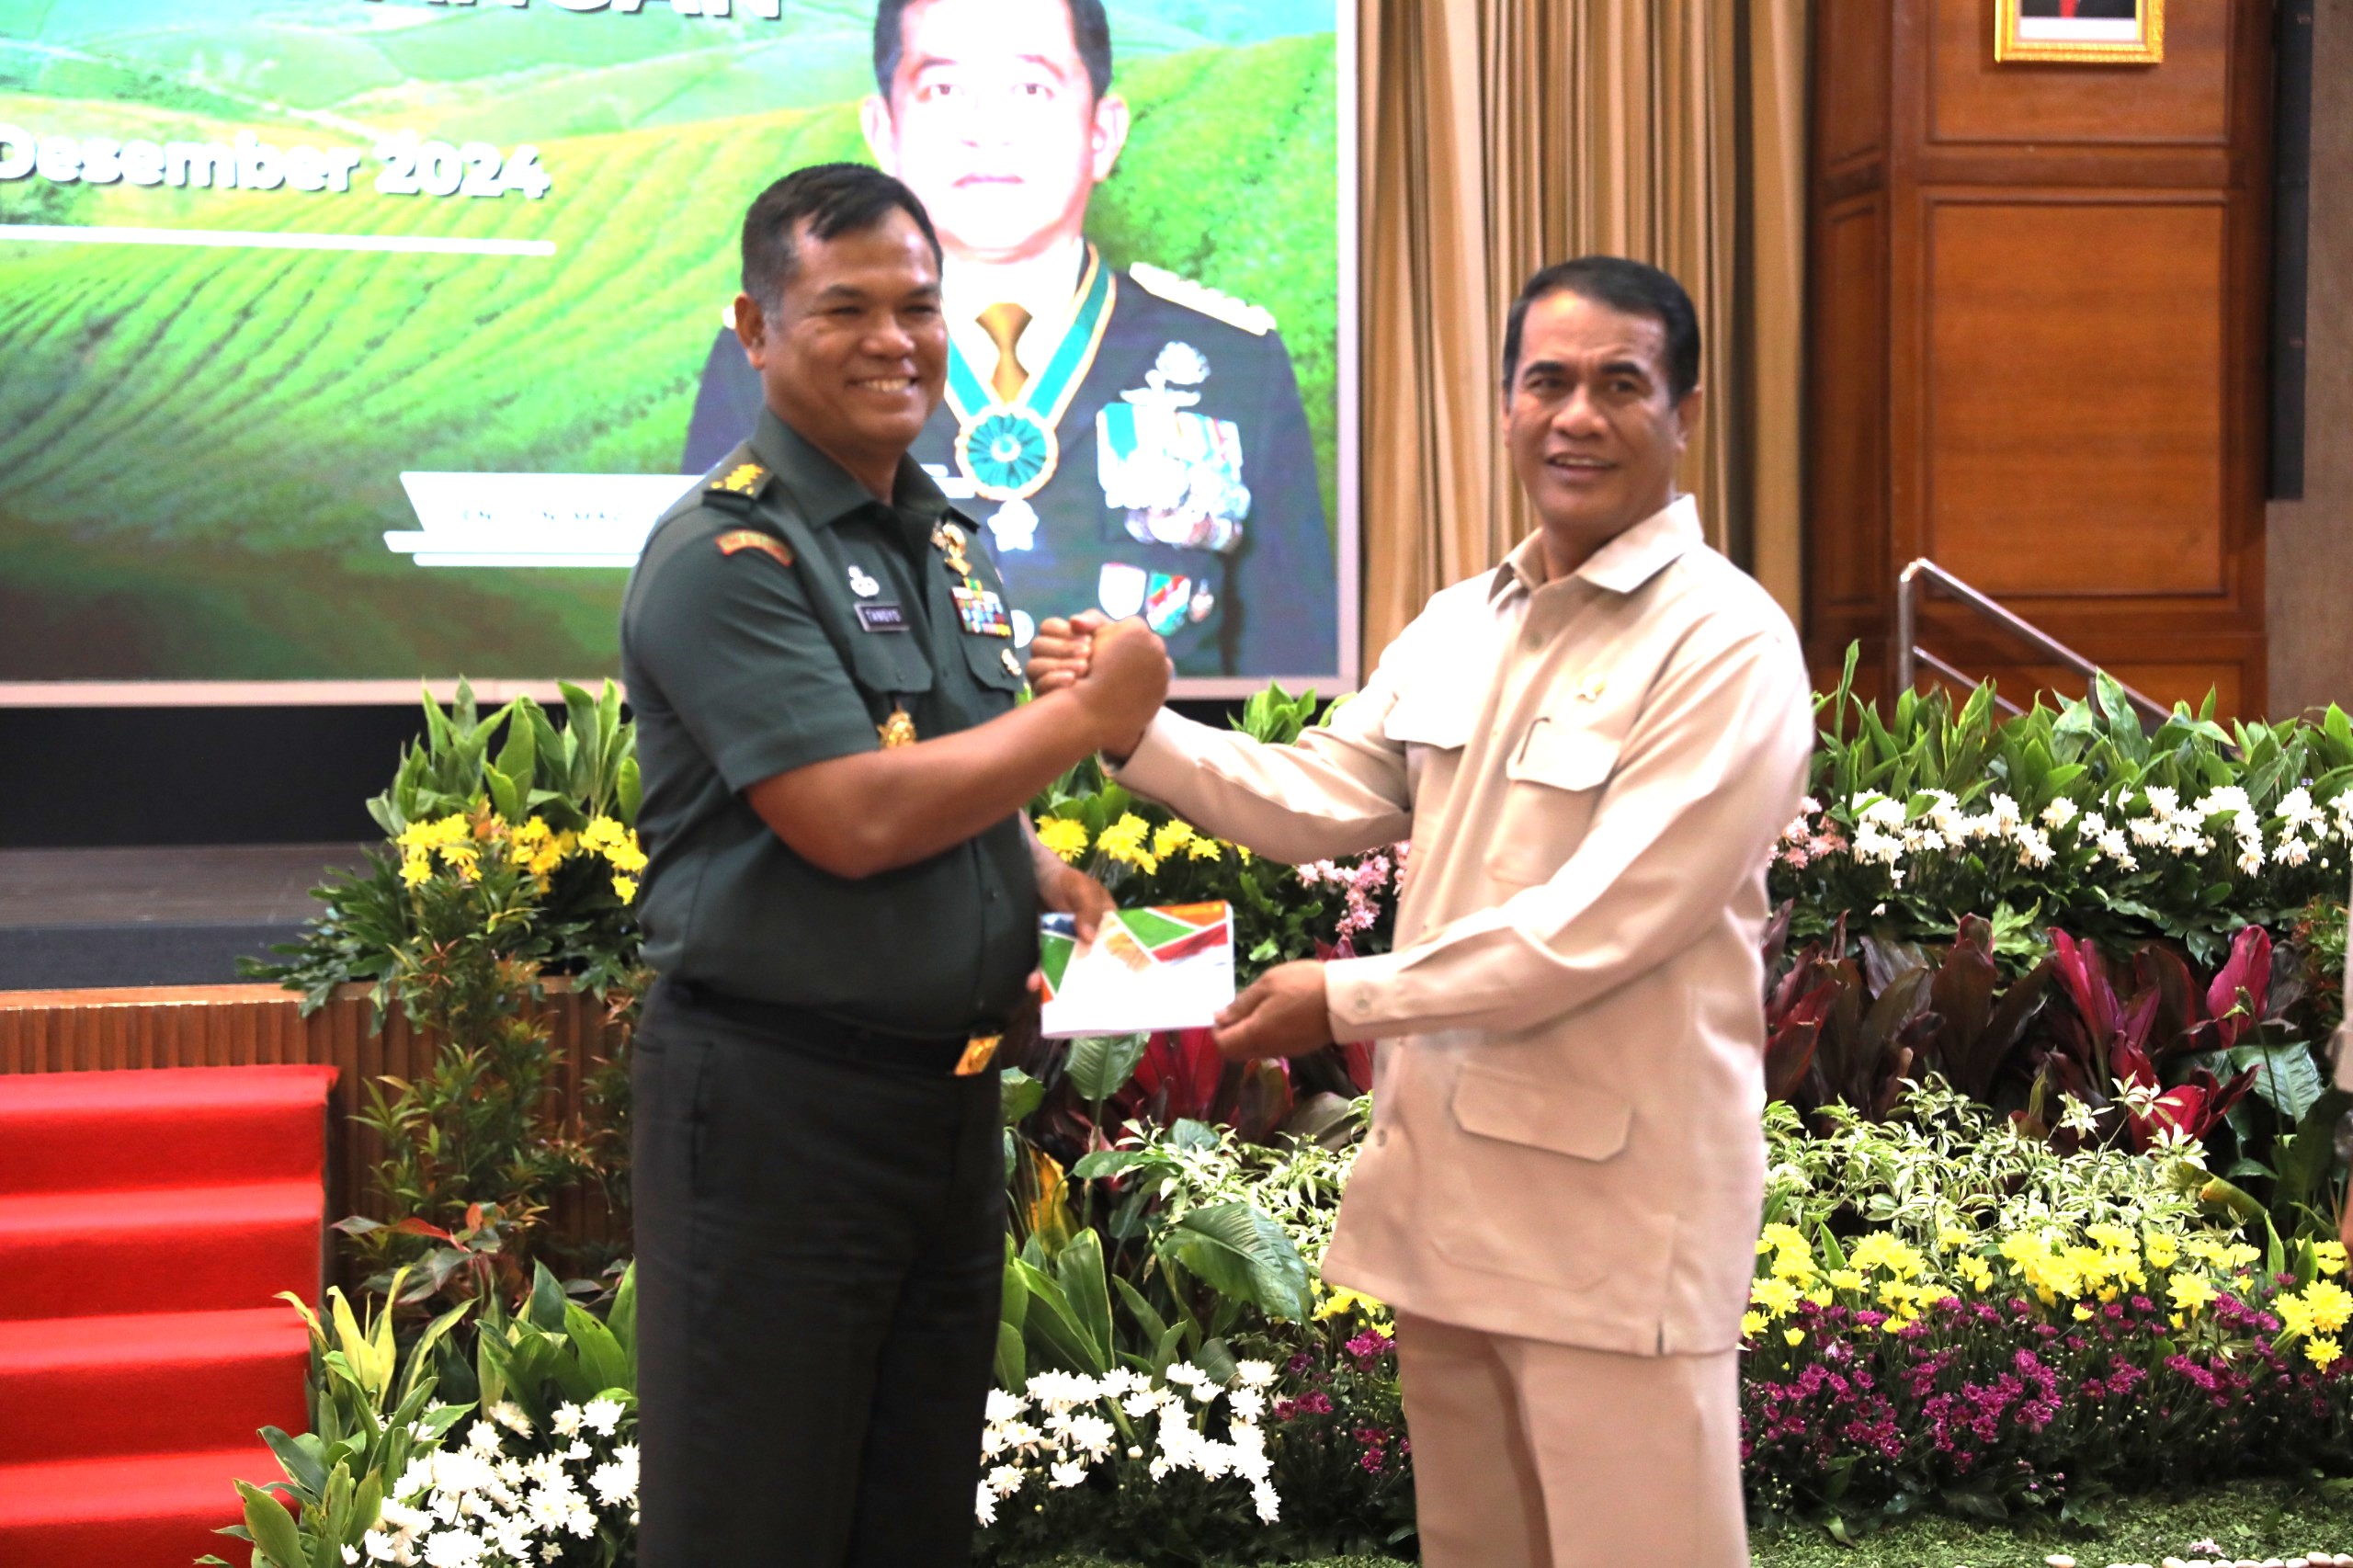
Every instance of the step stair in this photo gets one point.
(148, 1219)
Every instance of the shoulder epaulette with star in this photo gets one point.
(738, 487)
(1257, 320)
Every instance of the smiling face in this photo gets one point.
(855, 356)
(993, 122)
(1593, 428)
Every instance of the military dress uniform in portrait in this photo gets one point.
(1145, 455)
(782, 616)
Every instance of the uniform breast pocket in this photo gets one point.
(1554, 781)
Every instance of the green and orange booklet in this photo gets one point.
(1170, 967)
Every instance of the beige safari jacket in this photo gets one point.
(1565, 1142)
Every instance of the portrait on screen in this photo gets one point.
(2114, 32)
(361, 340)
(1133, 439)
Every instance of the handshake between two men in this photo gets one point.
(1284, 1012)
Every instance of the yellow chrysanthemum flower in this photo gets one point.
(1951, 1236)
(1124, 841)
(1064, 836)
(2331, 1306)
(1976, 1270)
(1793, 1337)
(1751, 1324)
(1203, 848)
(1882, 1250)
(2114, 1238)
(1173, 835)
(416, 868)
(1845, 1280)
(1775, 1296)
(2162, 1250)
(2323, 1353)
(2190, 1292)
(1340, 1304)
(2330, 1256)
(625, 888)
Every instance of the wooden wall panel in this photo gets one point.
(2053, 383)
(1851, 471)
(222, 1025)
(2184, 102)
(2074, 436)
(1851, 84)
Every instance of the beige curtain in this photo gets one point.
(1500, 135)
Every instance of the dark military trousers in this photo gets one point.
(820, 1244)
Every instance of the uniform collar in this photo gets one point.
(1622, 565)
(824, 489)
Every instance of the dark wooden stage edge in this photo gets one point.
(222, 1025)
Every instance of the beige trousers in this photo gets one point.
(1531, 1455)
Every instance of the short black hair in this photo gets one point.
(1629, 287)
(1088, 26)
(835, 199)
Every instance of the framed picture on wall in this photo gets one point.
(2080, 32)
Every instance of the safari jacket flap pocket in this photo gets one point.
(1581, 1121)
(1429, 718)
(1565, 755)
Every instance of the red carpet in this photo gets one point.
(147, 1221)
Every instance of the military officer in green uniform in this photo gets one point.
(842, 907)
(1134, 442)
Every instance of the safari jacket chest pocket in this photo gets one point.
(1554, 779)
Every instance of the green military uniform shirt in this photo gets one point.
(781, 615)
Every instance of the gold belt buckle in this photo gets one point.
(979, 1051)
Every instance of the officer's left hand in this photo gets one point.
(1282, 1014)
(1066, 889)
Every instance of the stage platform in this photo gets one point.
(153, 916)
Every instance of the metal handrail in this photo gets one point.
(1909, 654)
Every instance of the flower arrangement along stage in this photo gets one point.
(2050, 1176)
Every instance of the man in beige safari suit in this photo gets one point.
(1591, 748)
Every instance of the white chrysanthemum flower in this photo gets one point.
(454, 1548)
(2296, 808)
(984, 1506)
(566, 1420)
(2058, 813)
(1004, 1406)
(2034, 847)
(2005, 812)
(615, 1482)
(1186, 1373)
(483, 1438)
(2251, 860)
(1269, 1506)
(1249, 1404)
(1254, 1374)
(1062, 1474)
(350, 1555)
(601, 1415)
(509, 1414)
(2164, 801)
(2292, 852)
(1091, 1435)
(382, 1548)
(579, 1449)
(1005, 1479)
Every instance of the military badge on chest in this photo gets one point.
(979, 609)
(1174, 471)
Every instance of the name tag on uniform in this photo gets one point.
(881, 618)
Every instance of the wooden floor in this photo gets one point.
(214, 884)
